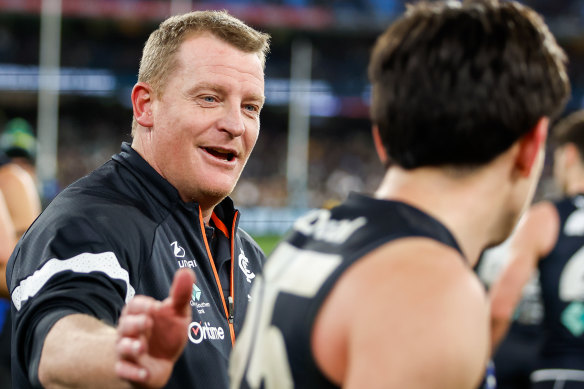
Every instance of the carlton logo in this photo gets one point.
(243, 265)
(198, 332)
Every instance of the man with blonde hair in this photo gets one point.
(160, 205)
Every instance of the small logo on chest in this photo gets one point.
(243, 265)
(196, 300)
(179, 252)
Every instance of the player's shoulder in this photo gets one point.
(413, 269)
(418, 255)
(422, 295)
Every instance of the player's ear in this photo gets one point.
(142, 104)
(530, 145)
(379, 147)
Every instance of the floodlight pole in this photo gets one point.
(48, 97)
(299, 123)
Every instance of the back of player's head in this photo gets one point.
(570, 130)
(457, 84)
(159, 54)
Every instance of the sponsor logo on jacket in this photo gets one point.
(196, 300)
(199, 331)
(179, 252)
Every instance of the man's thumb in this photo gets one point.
(181, 289)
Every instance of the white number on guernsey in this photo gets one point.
(572, 279)
(289, 270)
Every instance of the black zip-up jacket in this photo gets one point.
(120, 231)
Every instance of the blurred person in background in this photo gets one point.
(19, 144)
(517, 354)
(550, 238)
(7, 242)
(19, 206)
(159, 205)
(18, 175)
(379, 292)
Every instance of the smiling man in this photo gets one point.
(159, 205)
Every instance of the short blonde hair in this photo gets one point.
(159, 54)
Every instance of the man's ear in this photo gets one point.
(530, 145)
(379, 147)
(142, 104)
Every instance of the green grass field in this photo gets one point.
(267, 242)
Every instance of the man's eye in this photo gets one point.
(251, 108)
(209, 99)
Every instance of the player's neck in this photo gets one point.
(465, 205)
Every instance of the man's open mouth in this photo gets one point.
(225, 155)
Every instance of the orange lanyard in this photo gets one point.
(228, 310)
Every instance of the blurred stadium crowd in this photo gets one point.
(100, 49)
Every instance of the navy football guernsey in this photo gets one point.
(273, 350)
(562, 285)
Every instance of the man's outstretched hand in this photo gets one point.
(152, 334)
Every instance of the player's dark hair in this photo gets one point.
(457, 84)
(570, 130)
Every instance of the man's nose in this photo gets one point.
(232, 121)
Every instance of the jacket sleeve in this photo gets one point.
(63, 268)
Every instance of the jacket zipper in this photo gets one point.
(229, 311)
(232, 285)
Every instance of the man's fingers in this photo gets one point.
(130, 348)
(181, 289)
(134, 325)
(140, 304)
(131, 371)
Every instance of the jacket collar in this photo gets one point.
(153, 182)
